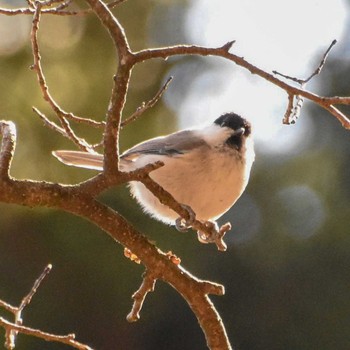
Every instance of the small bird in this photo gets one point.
(206, 169)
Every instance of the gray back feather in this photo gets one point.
(173, 144)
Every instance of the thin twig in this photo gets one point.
(295, 102)
(17, 311)
(7, 307)
(86, 121)
(27, 299)
(146, 105)
(50, 124)
(64, 339)
(30, 3)
(317, 71)
(148, 284)
(12, 329)
(62, 115)
(47, 3)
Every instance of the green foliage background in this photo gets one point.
(282, 291)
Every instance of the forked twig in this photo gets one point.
(146, 105)
(82, 203)
(11, 333)
(12, 329)
(61, 114)
(296, 101)
(317, 71)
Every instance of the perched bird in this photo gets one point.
(206, 169)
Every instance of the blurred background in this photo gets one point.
(287, 267)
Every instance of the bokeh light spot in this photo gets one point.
(302, 210)
(245, 217)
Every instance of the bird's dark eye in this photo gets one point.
(235, 141)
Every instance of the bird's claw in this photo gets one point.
(182, 224)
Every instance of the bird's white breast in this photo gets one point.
(208, 180)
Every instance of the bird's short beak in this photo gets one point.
(239, 132)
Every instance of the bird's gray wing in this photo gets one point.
(171, 145)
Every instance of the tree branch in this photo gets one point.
(61, 114)
(80, 199)
(12, 329)
(58, 10)
(151, 103)
(64, 339)
(148, 284)
(223, 51)
(8, 145)
(73, 200)
(120, 86)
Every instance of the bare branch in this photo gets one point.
(295, 102)
(50, 124)
(148, 284)
(343, 119)
(7, 306)
(64, 339)
(59, 10)
(71, 199)
(120, 86)
(143, 108)
(79, 199)
(12, 329)
(62, 115)
(27, 299)
(324, 102)
(316, 72)
(8, 144)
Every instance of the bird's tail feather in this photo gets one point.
(80, 159)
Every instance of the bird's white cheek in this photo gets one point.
(249, 152)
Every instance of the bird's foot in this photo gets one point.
(182, 224)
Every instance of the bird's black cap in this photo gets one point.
(234, 121)
(238, 124)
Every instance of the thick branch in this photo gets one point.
(80, 200)
(73, 200)
(120, 86)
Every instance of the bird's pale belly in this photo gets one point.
(209, 193)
